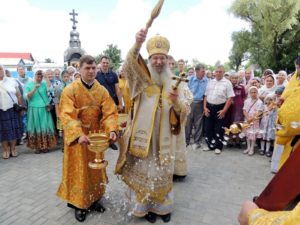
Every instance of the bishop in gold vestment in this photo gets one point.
(288, 114)
(85, 106)
(263, 217)
(146, 160)
(252, 215)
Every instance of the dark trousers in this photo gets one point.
(195, 119)
(54, 117)
(214, 127)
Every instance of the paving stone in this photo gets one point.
(211, 194)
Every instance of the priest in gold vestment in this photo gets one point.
(85, 106)
(146, 160)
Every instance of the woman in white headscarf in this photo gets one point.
(268, 88)
(282, 78)
(10, 119)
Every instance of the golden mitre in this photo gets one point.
(158, 45)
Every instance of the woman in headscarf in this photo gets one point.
(265, 74)
(72, 70)
(255, 81)
(65, 80)
(10, 119)
(282, 78)
(76, 76)
(49, 76)
(40, 126)
(268, 88)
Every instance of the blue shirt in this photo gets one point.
(198, 87)
(109, 80)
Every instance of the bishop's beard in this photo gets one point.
(161, 79)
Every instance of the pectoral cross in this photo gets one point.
(179, 79)
(73, 19)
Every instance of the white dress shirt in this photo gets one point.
(218, 91)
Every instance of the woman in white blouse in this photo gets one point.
(10, 119)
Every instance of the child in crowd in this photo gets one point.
(235, 112)
(267, 125)
(278, 149)
(253, 108)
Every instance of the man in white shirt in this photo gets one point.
(217, 100)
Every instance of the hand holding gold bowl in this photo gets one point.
(99, 143)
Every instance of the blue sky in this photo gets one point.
(198, 29)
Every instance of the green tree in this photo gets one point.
(290, 47)
(114, 54)
(270, 22)
(240, 49)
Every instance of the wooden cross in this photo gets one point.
(73, 19)
(179, 79)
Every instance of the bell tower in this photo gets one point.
(74, 52)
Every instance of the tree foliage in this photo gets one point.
(273, 28)
(114, 54)
(240, 49)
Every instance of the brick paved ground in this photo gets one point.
(212, 193)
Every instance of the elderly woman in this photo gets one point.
(255, 81)
(57, 76)
(282, 78)
(266, 73)
(49, 75)
(65, 80)
(40, 126)
(10, 119)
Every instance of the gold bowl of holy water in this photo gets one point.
(99, 143)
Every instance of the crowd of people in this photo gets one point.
(69, 104)
(29, 108)
(240, 97)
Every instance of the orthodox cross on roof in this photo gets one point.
(73, 19)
